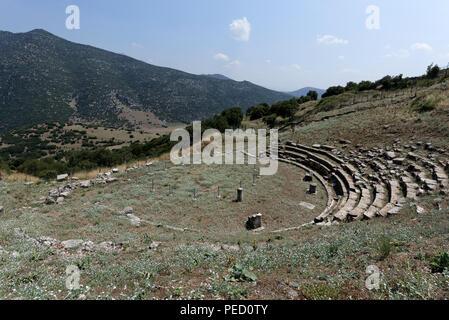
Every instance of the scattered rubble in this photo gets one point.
(127, 210)
(62, 177)
(77, 245)
(59, 194)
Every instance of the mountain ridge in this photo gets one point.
(217, 76)
(46, 78)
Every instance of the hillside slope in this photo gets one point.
(46, 78)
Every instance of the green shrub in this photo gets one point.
(270, 120)
(440, 262)
(312, 94)
(333, 91)
(433, 71)
(48, 174)
(285, 109)
(383, 247)
(258, 112)
(241, 274)
(229, 290)
(334, 102)
(424, 104)
(319, 291)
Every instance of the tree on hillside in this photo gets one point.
(304, 99)
(234, 117)
(433, 71)
(258, 112)
(385, 82)
(333, 91)
(313, 95)
(351, 86)
(270, 120)
(218, 122)
(366, 85)
(285, 109)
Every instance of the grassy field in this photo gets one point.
(310, 263)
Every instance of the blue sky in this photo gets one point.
(283, 45)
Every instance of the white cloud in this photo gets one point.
(400, 54)
(233, 63)
(136, 45)
(330, 39)
(296, 66)
(268, 61)
(444, 55)
(240, 29)
(150, 60)
(421, 46)
(350, 70)
(221, 56)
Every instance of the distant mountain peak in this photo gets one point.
(217, 76)
(39, 31)
(303, 91)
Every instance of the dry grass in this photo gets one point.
(17, 177)
(92, 174)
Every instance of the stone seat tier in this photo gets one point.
(307, 161)
(331, 203)
(347, 180)
(350, 169)
(438, 174)
(419, 172)
(338, 161)
(377, 166)
(318, 151)
(293, 153)
(363, 205)
(352, 202)
(344, 175)
(352, 195)
(380, 200)
(342, 183)
(411, 188)
(395, 194)
(340, 186)
(330, 166)
(387, 208)
(345, 172)
(318, 168)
